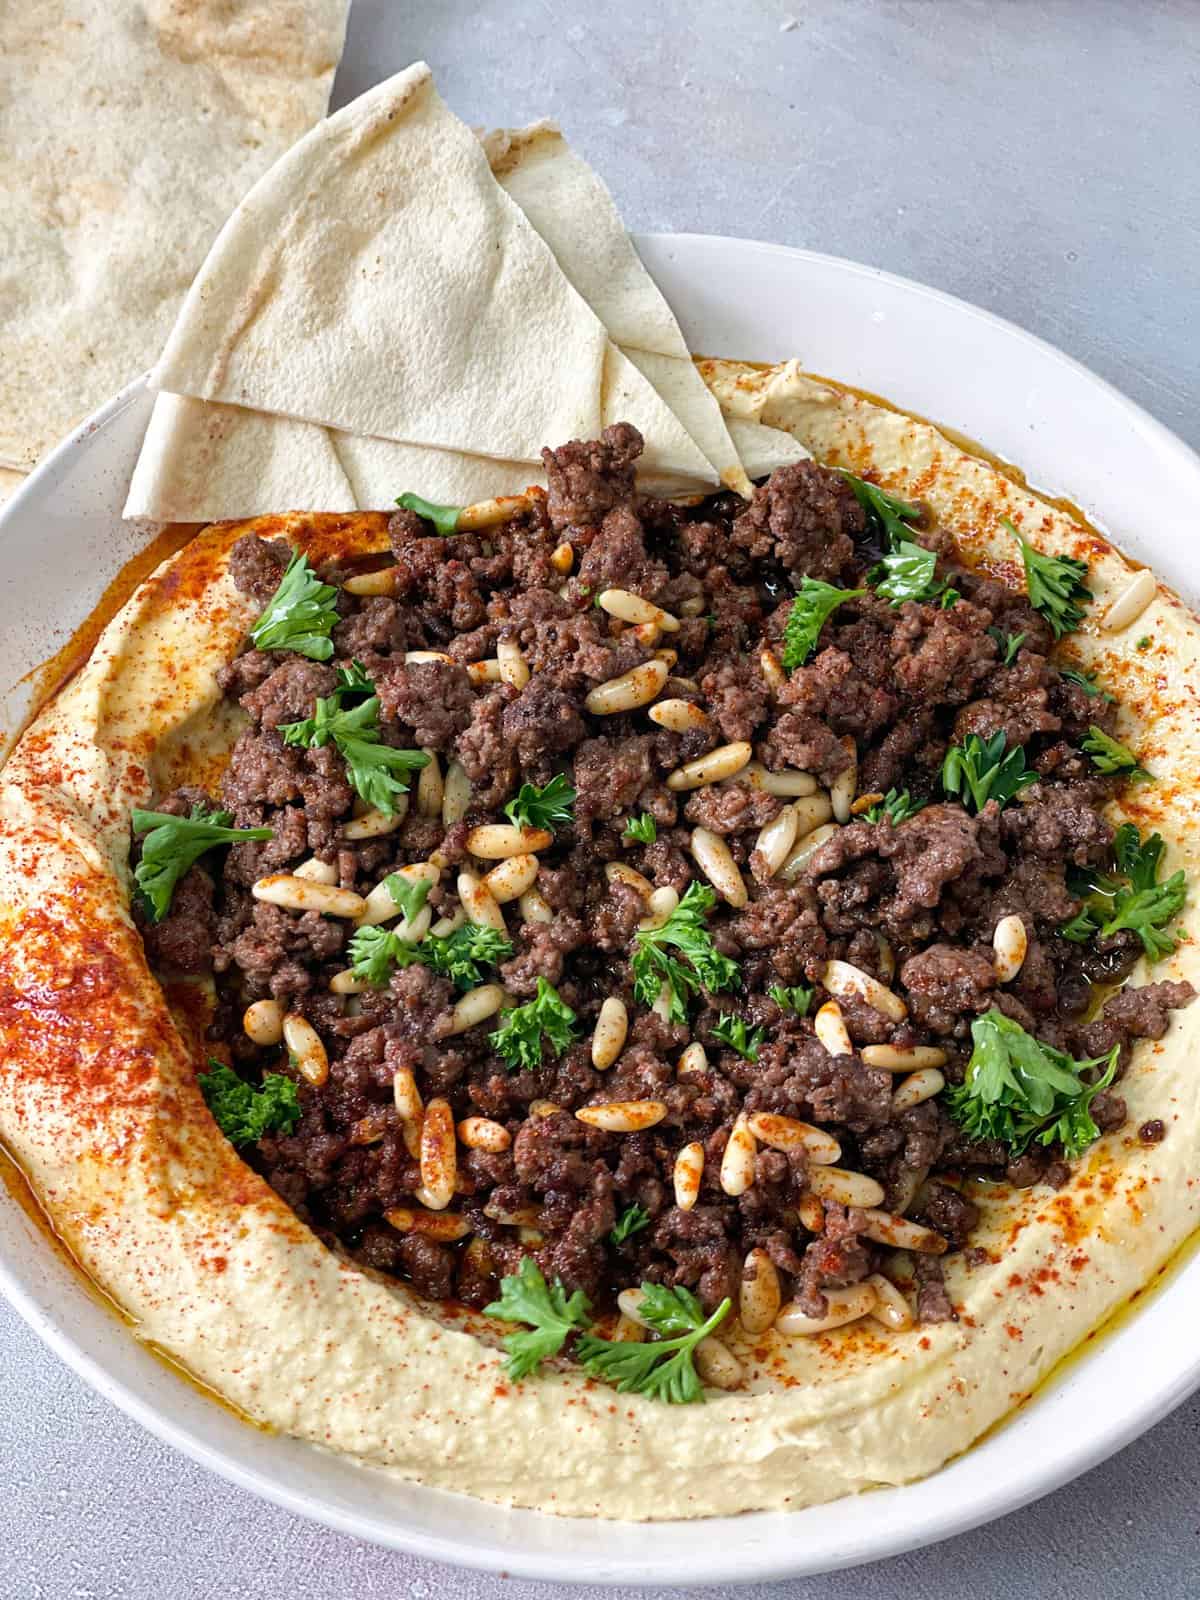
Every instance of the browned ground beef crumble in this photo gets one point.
(920, 900)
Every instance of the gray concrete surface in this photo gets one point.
(1036, 158)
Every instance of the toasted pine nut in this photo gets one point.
(890, 1058)
(523, 1217)
(376, 824)
(775, 841)
(477, 902)
(646, 633)
(629, 1303)
(688, 1170)
(489, 513)
(314, 870)
(346, 983)
(891, 1305)
(845, 1305)
(534, 907)
(618, 872)
(737, 1163)
(379, 906)
(487, 671)
(608, 1039)
(445, 926)
(439, 1155)
(759, 1295)
(623, 1116)
(263, 1022)
(790, 784)
(430, 786)
(679, 716)
(659, 906)
(305, 1048)
(669, 657)
(369, 1129)
(844, 786)
(481, 1133)
(902, 1234)
(543, 1108)
(1131, 602)
(414, 658)
(407, 1096)
(917, 1087)
(789, 1133)
(496, 840)
(476, 1006)
(716, 1365)
(456, 794)
(831, 1029)
(381, 582)
(771, 670)
(806, 848)
(715, 860)
(632, 689)
(811, 1213)
(843, 979)
(662, 1006)
(723, 762)
(693, 1059)
(562, 558)
(510, 878)
(847, 1188)
(1010, 943)
(299, 894)
(887, 958)
(514, 668)
(628, 607)
(627, 1331)
(443, 1226)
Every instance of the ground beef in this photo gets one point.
(257, 565)
(183, 940)
(588, 479)
(433, 699)
(806, 518)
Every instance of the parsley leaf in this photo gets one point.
(1054, 584)
(546, 807)
(886, 513)
(463, 954)
(1010, 644)
(444, 518)
(1146, 905)
(1018, 1090)
(733, 1031)
(897, 806)
(374, 951)
(797, 999)
(685, 930)
(410, 894)
(525, 1296)
(1080, 928)
(980, 769)
(352, 680)
(643, 829)
(1110, 756)
(523, 1028)
(300, 614)
(371, 765)
(173, 844)
(911, 575)
(632, 1220)
(663, 1369)
(1086, 681)
(811, 609)
(243, 1112)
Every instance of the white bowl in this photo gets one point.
(62, 540)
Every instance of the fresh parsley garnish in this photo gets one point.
(444, 518)
(910, 574)
(547, 807)
(1146, 905)
(632, 1220)
(1086, 681)
(1080, 928)
(1019, 1090)
(980, 770)
(173, 844)
(899, 807)
(685, 930)
(886, 513)
(732, 1031)
(300, 615)
(243, 1112)
(1110, 756)
(1009, 643)
(525, 1296)
(410, 894)
(797, 999)
(664, 1368)
(643, 829)
(371, 765)
(519, 1037)
(1144, 642)
(1054, 584)
(374, 951)
(352, 680)
(811, 609)
(460, 956)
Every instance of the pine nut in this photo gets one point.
(846, 1188)
(628, 607)
(718, 764)
(759, 1294)
(789, 1133)
(562, 558)
(314, 870)
(445, 926)
(713, 857)
(493, 841)
(843, 979)
(679, 716)
(844, 786)
(771, 669)
(381, 582)
(514, 668)
(631, 690)
(629, 1303)
(790, 784)
(918, 1087)
(510, 879)
(263, 1022)
(489, 513)
(830, 1029)
(891, 1306)
(298, 894)
(775, 841)
(623, 1116)
(306, 1050)
(902, 1234)
(608, 1039)
(379, 906)
(737, 1163)
(456, 794)
(346, 983)
(476, 1006)
(523, 1217)
(688, 1170)
(481, 1133)
(890, 1058)
(477, 902)
(1010, 943)
(659, 907)
(485, 671)
(662, 1006)
(618, 872)
(430, 786)
(543, 1108)
(693, 1059)
(806, 848)
(669, 657)
(845, 1305)
(376, 824)
(646, 633)
(445, 1227)
(627, 1331)
(811, 1213)
(887, 958)
(1131, 602)
(716, 1365)
(406, 1095)
(534, 907)
(369, 1129)
(414, 658)
(439, 1155)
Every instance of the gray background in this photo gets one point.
(1039, 159)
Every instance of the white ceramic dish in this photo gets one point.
(61, 540)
